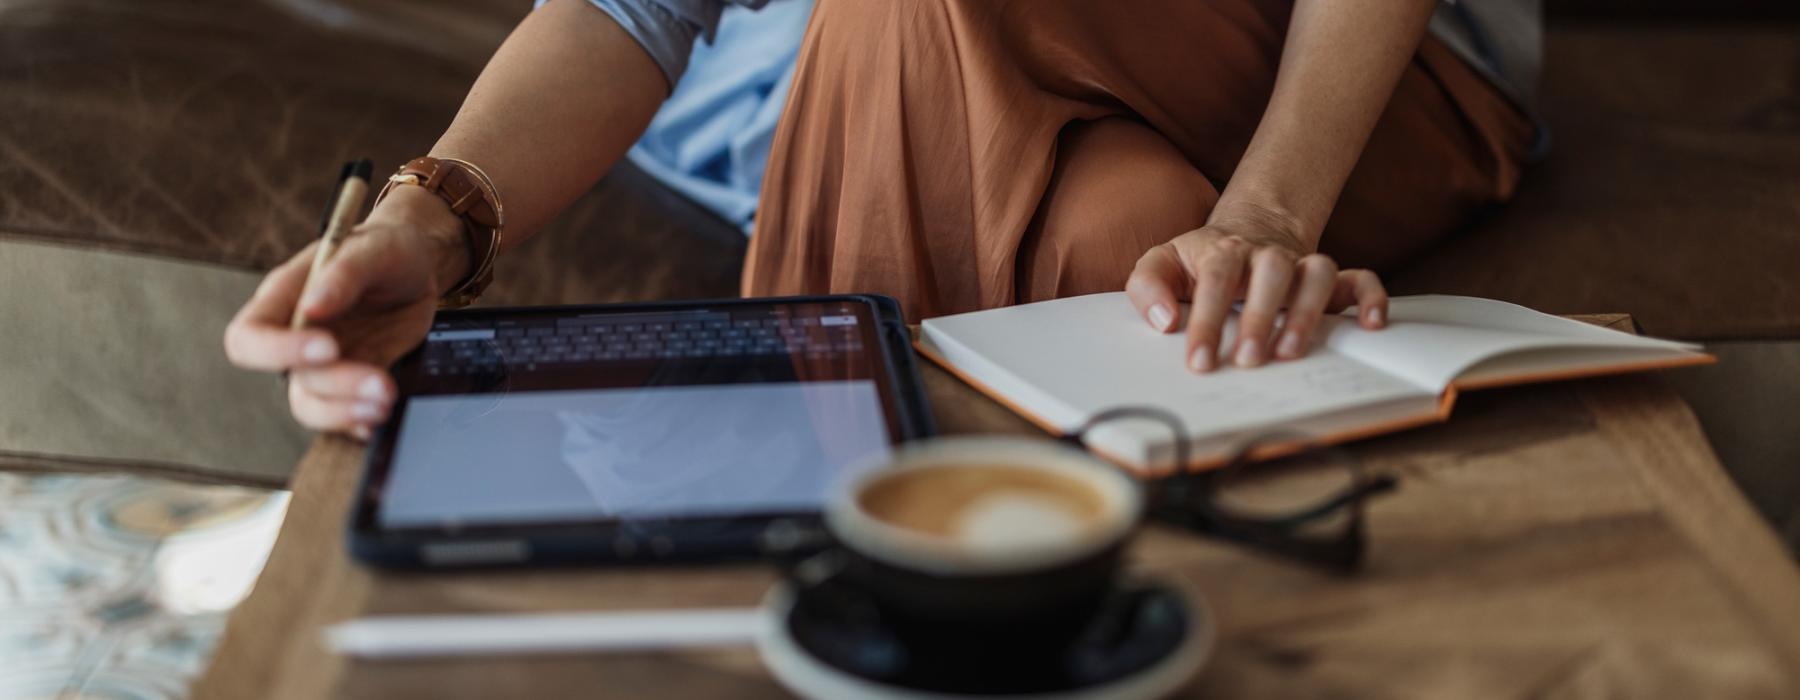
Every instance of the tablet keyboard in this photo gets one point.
(653, 337)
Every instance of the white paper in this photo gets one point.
(1432, 339)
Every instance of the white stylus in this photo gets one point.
(466, 635)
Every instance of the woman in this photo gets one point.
(963, 154)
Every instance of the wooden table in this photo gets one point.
(1569, 540)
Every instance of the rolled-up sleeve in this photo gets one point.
(667, 29)
(668, 38)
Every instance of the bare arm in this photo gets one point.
(1338, 70)
(555, 108)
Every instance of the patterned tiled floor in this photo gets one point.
(116, 586)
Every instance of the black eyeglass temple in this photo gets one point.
(1169, 420)
(1183, 499)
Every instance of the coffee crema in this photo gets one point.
(987, 505)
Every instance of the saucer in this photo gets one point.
(1168, 638)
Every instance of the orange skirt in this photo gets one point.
(968, 154)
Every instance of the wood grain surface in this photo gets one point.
(1568, 540)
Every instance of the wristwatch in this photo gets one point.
(472, 197)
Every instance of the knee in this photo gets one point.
(1118, 189)
(1117, 181)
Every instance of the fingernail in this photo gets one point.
(1161, 317)
(372, 388)
(1375, 317)
(1249, 353)
(361, 432)
(1290, 346)
(314, 297)
(319, 350)
(1201, 360)
(366, 411)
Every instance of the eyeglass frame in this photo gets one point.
(1186, 497)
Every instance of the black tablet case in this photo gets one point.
(718, 539)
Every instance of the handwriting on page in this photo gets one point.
(1284, 390)
(1343, 380)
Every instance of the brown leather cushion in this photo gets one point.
(1673, 191)
(210, 130)
(630, 239)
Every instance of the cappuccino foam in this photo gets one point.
(988, 507)
(1007, 520)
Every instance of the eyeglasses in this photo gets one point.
(1306, 504)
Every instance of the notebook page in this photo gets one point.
(1067, 359)
(1564, 362)
(1431, 339)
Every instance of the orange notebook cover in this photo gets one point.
(1058, 362)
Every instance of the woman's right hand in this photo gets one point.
(372, 303)
(1262, 260)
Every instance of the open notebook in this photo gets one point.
(1059, 362)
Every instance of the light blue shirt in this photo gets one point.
(667, 28)
(710, 141)
(731, 66)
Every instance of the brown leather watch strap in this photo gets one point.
(468, 194)
(472, 197)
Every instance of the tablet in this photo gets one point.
(668, 431)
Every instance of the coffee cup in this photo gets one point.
(982, 542)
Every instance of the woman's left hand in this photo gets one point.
(1268, 269)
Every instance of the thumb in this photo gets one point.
(1156, 287)
(341, 282)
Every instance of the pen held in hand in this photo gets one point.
(353, 186)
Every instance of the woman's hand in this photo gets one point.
(373, 301)
(1262, 263)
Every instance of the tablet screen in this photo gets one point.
(741, 409)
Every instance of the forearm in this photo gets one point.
(1338, 69)
(556, 107)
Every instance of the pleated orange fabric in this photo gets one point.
(918, 154)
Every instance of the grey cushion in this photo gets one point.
(113, 360)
